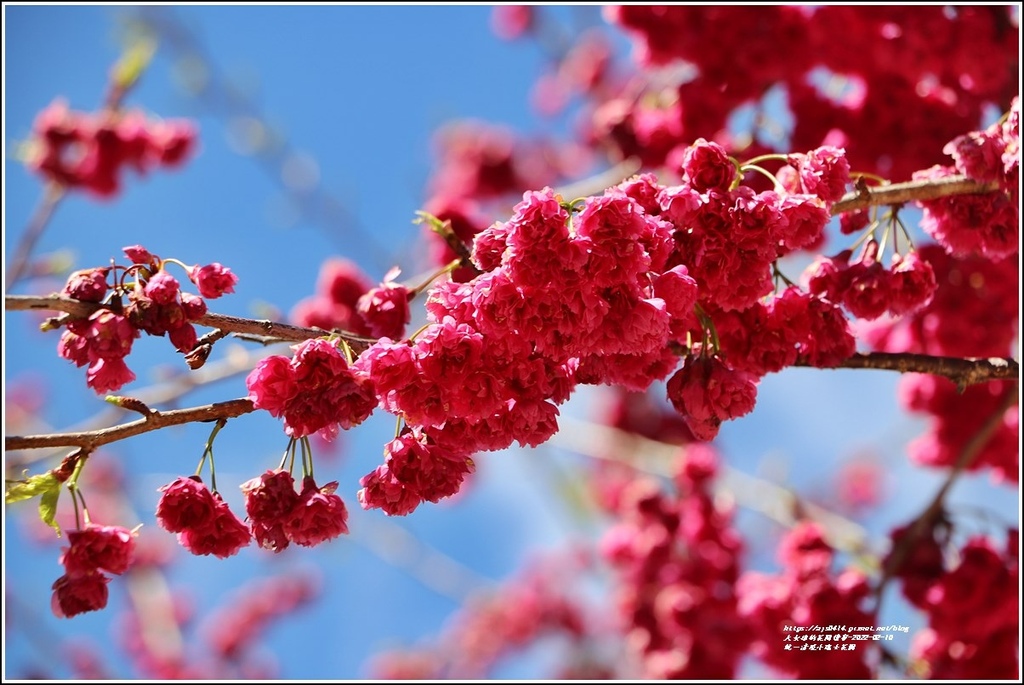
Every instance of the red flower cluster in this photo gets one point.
(805, 594)
(204, 523)
(935, 64)
(385, 310)
(102, 342)
(707, 391)
(867, 289)
(677, 562)
(415, 470)
(973, 312)
(315, 391)
(156, 305)
(346, 301)
(596, 296)
(278, 515)
(987, 224)
(81, 150)
(973, 628)
(92, 551)
(768, 337)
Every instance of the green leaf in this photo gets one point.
(133, 62)
(19, 490)
(48, 508)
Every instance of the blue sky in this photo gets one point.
(360, 90)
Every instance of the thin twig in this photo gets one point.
(651, 456)
(898, 193)
(36, 225)
(154, 421)
(971, 449)
(317, 203)
(438, 571)
(962, 371)
(598, 183)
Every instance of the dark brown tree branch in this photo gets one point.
(898, 193)
(962, 371)
(153, 421)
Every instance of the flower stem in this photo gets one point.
(761, 170)
(209, 451)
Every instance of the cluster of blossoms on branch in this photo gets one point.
(604, 290)
(986, 224)
(974, 312)
(155, 305)
(90, 150)
(673, 277)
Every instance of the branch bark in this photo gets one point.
(962, 371)
(898, 193)
(154, 421)
(233, 324)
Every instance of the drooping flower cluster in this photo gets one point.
(92, 552)
(707, 391)
(415, 470)
(156, 305)
(83, 150)
(973, 312)
(677, 562)
(806, 594)
(278, 515)
(100, 342)
(867, 289)
(973, 628)
(201, 518)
